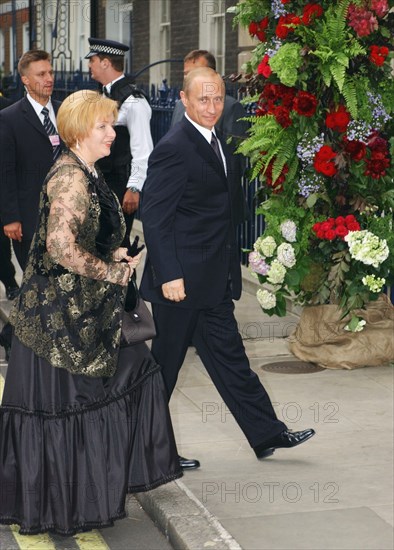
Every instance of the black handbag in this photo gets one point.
(137, 323)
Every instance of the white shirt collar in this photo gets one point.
(204, 131)
(38, 107)
(207, 134)
(110, 84)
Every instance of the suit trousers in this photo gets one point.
(215, 335)
(7, 269)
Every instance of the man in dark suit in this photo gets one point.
(29, 144)
(27, 150)
(192, 273)
(7, 269)
(229, 125)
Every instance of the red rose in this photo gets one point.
(264, 68)
(264, 23)
(320, 234)
(257, 29)
(338, 120)
(350, 219)
(261, 36)
(353, 226)
(331, 222)
(341, 231)
(377, 143)
(376, 167)
(355, 148)
(286, 95)
(316, 227)
(378, 54)
(282, 29)
(325, 226)
(305, 103)
(325, 153)
(327, 168)
(282, 116)
(311, 11)
(330, 235)
(253, 28)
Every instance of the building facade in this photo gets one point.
(160, 33)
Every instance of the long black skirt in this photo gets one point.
(72, 446)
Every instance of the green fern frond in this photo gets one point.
(293, 168)
(338, 73)
(350, 95)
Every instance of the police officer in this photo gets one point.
(125, 168)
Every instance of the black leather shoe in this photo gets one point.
(286, 439)
(188, 463)
(11, 292)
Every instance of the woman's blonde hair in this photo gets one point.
(80, 111)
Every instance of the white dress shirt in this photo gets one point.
(135, 113)
(207, 134)
(38, 108)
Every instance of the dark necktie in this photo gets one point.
(50, 130)
(215, 147)
(106, 92)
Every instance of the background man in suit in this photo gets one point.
(229, 126)
(7, 269)
(125, 168)
(27, 150)
(193, 272)
(29, 145)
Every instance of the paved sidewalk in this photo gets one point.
(333, 492)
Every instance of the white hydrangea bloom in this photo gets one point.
(276, 273)
(375, 284)
(266, 299)
(286, 255)
(289, 230)
(367, 248)
(265, 246)
(358, 328)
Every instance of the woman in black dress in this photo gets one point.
(83, 421)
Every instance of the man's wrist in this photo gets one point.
(134, 189)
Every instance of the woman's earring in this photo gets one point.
(77, 145)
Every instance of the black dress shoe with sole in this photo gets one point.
(284, 440)
(188, 463)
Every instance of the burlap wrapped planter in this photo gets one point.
(320, 337)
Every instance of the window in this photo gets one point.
(213, 30)
(25, 37)
(160, 40)
(165, 27)
(118, 22)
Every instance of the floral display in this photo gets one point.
(321, 143)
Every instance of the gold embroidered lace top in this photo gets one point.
(71, 301)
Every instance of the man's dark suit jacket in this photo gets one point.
(26, 156)
(229, 125)
(189, 228)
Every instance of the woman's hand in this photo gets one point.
(121, 254)
(133, 261)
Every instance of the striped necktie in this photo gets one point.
(50, 130)
(215, 147)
